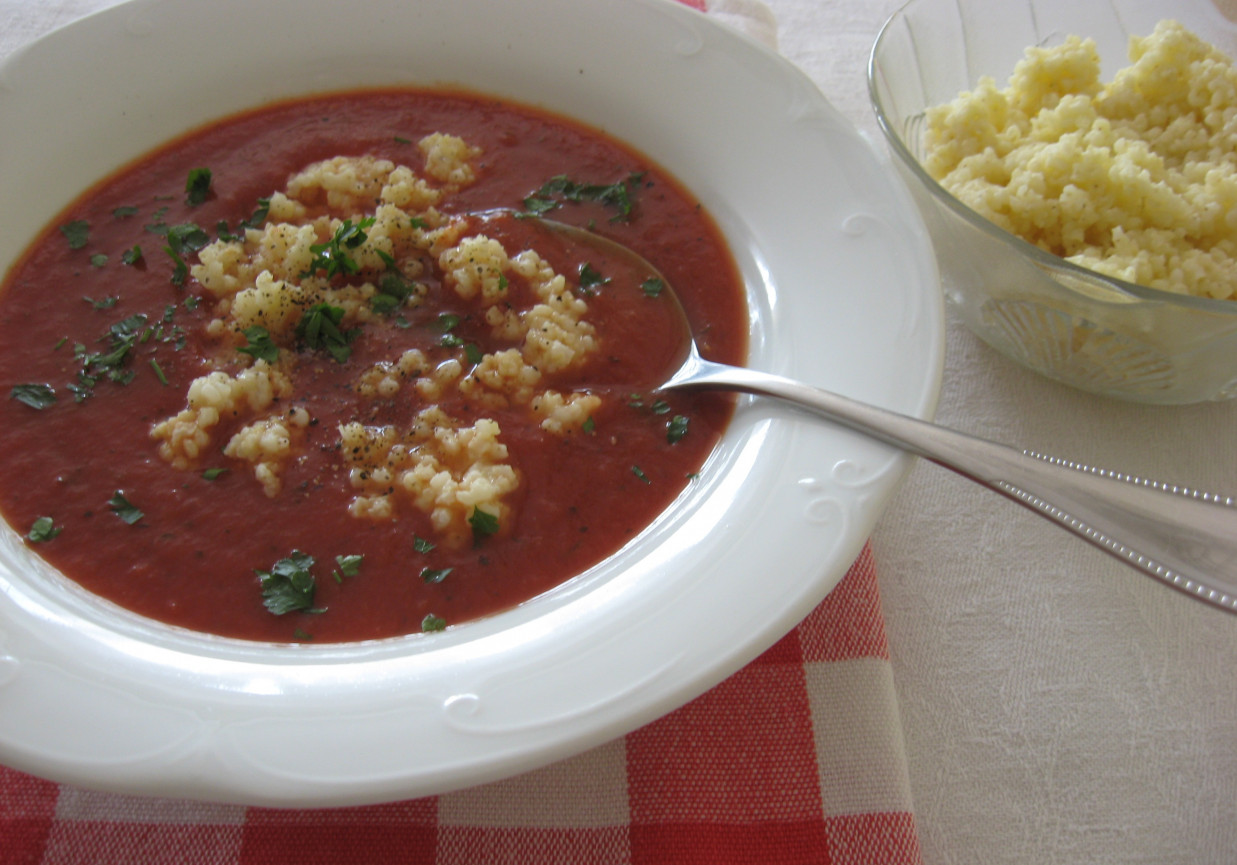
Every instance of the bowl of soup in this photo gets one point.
(327, 478)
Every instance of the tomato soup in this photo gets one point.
(307, 375)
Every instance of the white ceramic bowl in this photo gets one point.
(1090, 331)
(842, 291)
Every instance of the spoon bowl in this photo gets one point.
(1181, 536)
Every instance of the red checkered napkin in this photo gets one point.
(797, 758)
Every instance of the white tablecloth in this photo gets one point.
(1057, 707)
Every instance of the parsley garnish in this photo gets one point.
(653, 287)
(259, 344)
(590, 278)
(561, 189)
(105, 303)
(98, 260)
(483, 523)
(158, 370)
(333, 256)
(393, 288)
(639, 472)
(349, 566)
(125, 212)
(676, 429)
(123, 508)
(77, 233)
(38, 396)
(433, 623)
(214, 473)
(421, 545)
(444, 324)
(182, 238)
(197, 186)
(289, 585)
(319, 328)
(43, 529)
(156, 224)
(435, 575)
(94, 365)
(187, 236)
(259, 215)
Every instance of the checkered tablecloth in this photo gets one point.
(797, 758)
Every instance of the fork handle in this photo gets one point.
(1182, 536)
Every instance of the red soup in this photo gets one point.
(285, 379)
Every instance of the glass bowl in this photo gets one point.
(1090, 331)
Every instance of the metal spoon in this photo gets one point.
(1182, 536)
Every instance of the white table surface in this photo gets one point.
(1057, 707)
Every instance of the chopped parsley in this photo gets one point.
(288, 586)
(183, 238)
(676, 429)
(259, 344)
(591, 278)
(259, 214)
(187, 237)
(158, 370)
(197, 186)
(319, 329)
(653, 287)
(98, 260)
(347, 566)
(123, 508)
(483, 523)
(559, 189)
(445, 324)
(639, 472)
(435, 575)
(43, 529)
(433, 623)
(421, 545)
(334, 256)
(125, 212)
(157, 225)
(77, 233)
(122, 336)
(215, 473)
(38, 396)
(105, 303)
(393, 288)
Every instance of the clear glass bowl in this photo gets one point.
(1071, 324)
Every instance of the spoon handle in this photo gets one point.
(1182, 536)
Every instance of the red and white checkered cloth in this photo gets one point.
(797, 758)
